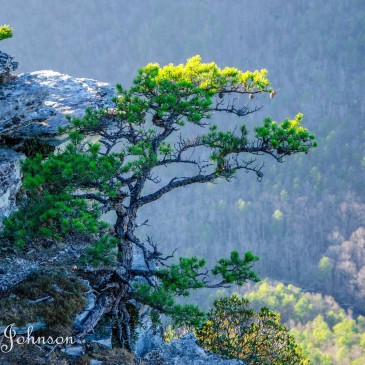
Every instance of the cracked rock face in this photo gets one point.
(34, 105)
(10, 180)
(7, 65)
(186, 351)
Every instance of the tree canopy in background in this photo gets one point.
(326, 332)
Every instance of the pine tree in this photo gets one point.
(64, 194)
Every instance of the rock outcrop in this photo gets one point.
(186, 351)
(34, 105)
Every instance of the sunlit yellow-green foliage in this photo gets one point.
(256, 337)
(325, 267)
(286, 136)
(294, 305)
(327, 334)
(278, 215)
(206, 76)
(5, 32)
(341, 344)
(172, 95)
(185, 90)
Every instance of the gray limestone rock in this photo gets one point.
(149, 335)
(186, 351)
(35, 104)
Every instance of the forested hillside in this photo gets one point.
(327, 334)
(306, 219)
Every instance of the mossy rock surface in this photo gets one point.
(63, 294)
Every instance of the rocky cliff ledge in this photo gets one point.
(34, 104)
(32, 108)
